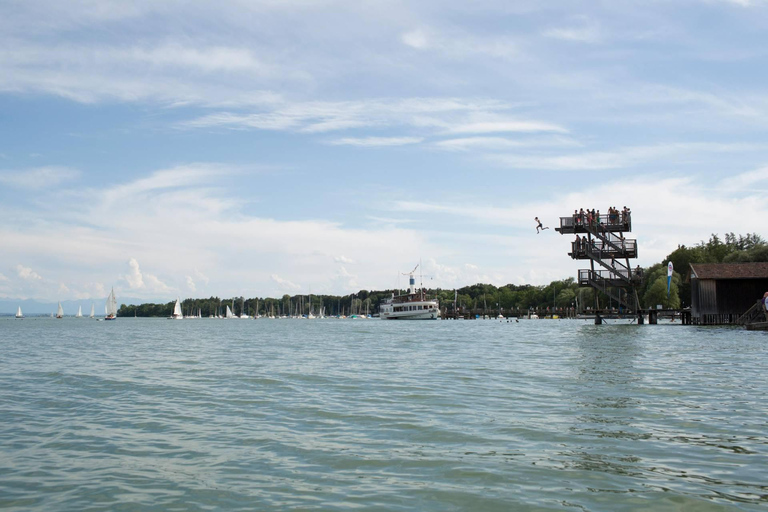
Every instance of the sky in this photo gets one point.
(258, 148)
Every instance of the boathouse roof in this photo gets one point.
(730, 270)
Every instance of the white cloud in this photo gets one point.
(88, 290)
(321, 117)
(676, 100)
(502, 143)
(460, 45)
(415, 39)
(213, 59)
(169, 72)
(507, 126)
(619, 158)
(191, 284)
(27, 273)
(284, 284)
(389, 220)
(743, 3)
(3, 278)
(215, 230)
(155, 285)
(583, 31)
(345, 281)
(134, 277)
(746, 181)
(488, 214)
(201, 277)
(376, 141)
(138, 280)
(39, 177)
(343, 259)
(582, 35)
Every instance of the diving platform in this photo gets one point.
(600, 240)
(582, 224)
(608, 278)
(614, 247)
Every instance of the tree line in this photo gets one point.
(730, 249)
(560, 296)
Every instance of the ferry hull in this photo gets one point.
(410, 315)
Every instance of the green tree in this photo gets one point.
(565, 298)
(657, 292)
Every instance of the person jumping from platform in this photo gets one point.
(539, 225)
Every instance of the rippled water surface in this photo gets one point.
(343, 414)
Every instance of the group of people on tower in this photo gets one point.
(593, 218)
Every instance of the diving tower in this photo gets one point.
(601, 241)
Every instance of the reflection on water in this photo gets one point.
(332, 415)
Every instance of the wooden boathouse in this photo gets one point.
(600, 240)
(721, 293)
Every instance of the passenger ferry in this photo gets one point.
(412, 306)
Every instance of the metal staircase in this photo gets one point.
(602, 242)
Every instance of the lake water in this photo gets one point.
(206, 414)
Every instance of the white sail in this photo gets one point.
(229, 313)
(177, 314)
(79, 312)
(111, 306)
(92, 310)
(18, 313)
(60, 311)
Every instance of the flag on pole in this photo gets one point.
(670, 269)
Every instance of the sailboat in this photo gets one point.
(18, 313)
(229, 313)
(92, 311)
(79, 312)
(310, 316)
(111, 306)
(60, 312)
(177, 315)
